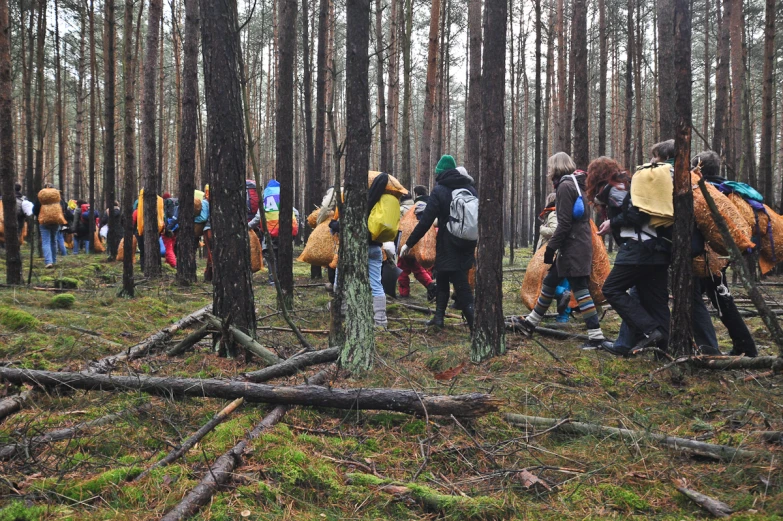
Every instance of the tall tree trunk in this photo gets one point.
(514, 102)
(284, 145)
(405, 168)
(737, 86)
(129, 143)
(767, 134)
(383, 144)
(161, 106)
(705, 127)
(13, 257)
(602, 66)
(359, 347)
(233, 294)
(77, 147)
(569, 116)
(581, 85)
(148, 146)
(681, 339)
(489, 331)
(393, 97)
(473, 137)
(311, 188)
(93, 129)
(526, 206)
(28, 102)
(559, 121)
(109, 177)
(186, 242)
(60, 182)
(538, 194)
(629, 89)
(637, 78)
(425, 161)
(722, 80)
(39, 98)
(666, 72)
(317, 181)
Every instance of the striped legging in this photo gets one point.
(580, 291)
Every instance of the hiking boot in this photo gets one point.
(597, 343)
(622, 351)
(440, 310)
(469, 314)
(563, 302)
(709, 351)
(521, 325)
(652, 339)
(437, 320)
(432, 291)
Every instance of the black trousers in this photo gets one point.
(462, 292)
(651, 310)
(729, 314)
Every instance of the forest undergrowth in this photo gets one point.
(335, 464)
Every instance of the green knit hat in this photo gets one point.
(446, 163)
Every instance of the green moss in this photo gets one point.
(414, 427)
(16, 319)
(387, 420)
(622, 498)
(66, 283)
(18, 511)
(97, 485)
(62, 301)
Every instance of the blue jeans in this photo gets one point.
(61, 243)
(49, 242)
(84, 243)
(376, 263)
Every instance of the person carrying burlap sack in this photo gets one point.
(50, 217)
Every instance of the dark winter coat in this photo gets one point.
(632, 252)
(572, 239)
(449, 255)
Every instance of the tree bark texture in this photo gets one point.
(359, 348)
(186, 241)
(627, 159)
(383, 144)
(129, 148)
(311, 188)
(28, 92)
(405, 401)
(293, 365)
(60, 181)
(537, 192)
(284, 146)
(473, 141)
(109, 145)
(318, 185)
(13, 256)
(393, 85)
(681, 337)
(79, 131)
(736, 28)
(148, 150)
(722, 81)
(405, 168)
(40, 101)
(602, 77)
(667, 54)
(425, 147)
(768, 92)
(581, 86)
(233, 295)
(489, 329)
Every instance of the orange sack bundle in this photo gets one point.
(424, 250)
(121, 249)
(708, 264)
(537, 270)
(98, 246)
(321, 247)
(738, 227)
(51, 213)
(256, 253)
(768, 256)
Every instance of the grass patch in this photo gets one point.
(17, 319)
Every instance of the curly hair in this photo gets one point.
(601, 171)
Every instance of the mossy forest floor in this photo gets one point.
(330, 464)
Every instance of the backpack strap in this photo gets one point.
(573, 178)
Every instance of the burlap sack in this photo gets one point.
(424, 250)
(767, 257)
(312, 219)
(534, 279)
(335, 260)
(68, 239)
(256, 254)
(49, 196)
(472, 278)
(321, 247)
(98, 246)
(711, 265)
(407, 223)
(51, 214)
(121, 249)
(601, 267)
(738, 226)
(393, 186)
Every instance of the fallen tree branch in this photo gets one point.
(12, 404)
(711, 505)
(293, 365)
(195, 438)
(553, 333)
(288, 330)
(773, 363)
(189, 341)
(718, 452)
(106, 364)
(406, 401)
(9, 451)
(267, 356)
(425, 310)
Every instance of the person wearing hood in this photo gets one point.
(454, 257)
(569, 251)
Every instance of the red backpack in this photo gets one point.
(252, 199)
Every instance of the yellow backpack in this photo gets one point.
(384, 220)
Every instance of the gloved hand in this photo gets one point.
(404, 250)
(391, 251)
(549, 256)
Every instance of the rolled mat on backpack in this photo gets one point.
(256, 253)
(767, 230)
(321, 246)
(738, 227)
(51, 213)
(537, 270)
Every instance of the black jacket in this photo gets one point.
(450, 255)
(648, 251)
